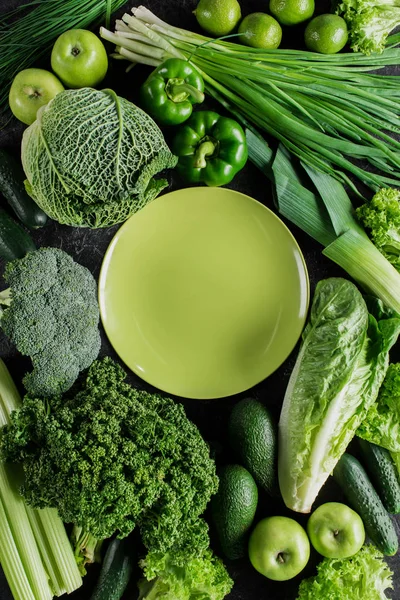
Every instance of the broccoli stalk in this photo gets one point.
(87, 548)
(50, 313)
(381, 218)
(370, 22)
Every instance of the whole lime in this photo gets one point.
(292, 12)
(326, 34)
(260, 31)
(218, 17)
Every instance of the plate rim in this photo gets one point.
(104, 265)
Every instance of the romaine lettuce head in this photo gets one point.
(339, 370)
(90, 158)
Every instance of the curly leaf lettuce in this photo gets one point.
(202, 578)
(381, 425)
(339, 370)
(365, 573)
(370, 22)
(90, 158)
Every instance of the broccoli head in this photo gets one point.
(381, 217)
(51, 314)
(203, 577)
(370, 22)
(110, 457)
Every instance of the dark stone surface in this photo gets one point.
(88, 247)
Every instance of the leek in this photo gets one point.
(35, 552)
(325, 109)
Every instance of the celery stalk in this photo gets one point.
(17, 518)
(11, 562)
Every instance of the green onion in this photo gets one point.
(35, 552)
(325, 109)
(328, 217)
(25, 37)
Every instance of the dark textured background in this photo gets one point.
(88, 248)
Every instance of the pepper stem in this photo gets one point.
(206, 148)
(179, 92)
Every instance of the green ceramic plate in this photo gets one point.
(203, 293)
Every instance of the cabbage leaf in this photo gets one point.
(339, 370)
(366, 574)
(90, 158)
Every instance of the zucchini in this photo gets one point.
(383, 473)
(361, 495)
(116, 571)
(14, 240)
(12, 187)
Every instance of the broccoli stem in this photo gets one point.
(87, 548)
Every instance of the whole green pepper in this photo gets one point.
(170, 91)
(211, 149)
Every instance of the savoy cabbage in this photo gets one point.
(90, 158)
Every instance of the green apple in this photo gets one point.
(335, 530)
(279, 548)
(31, 89)
(79, 59)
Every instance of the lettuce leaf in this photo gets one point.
(337, 376)
(381, 425)
(365, 573)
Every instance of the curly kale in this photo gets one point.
(370, 22)
(112, 457)
(51, 314)
(381, 217)
(203, 577)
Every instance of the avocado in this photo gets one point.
(233, 509)
(253, 437)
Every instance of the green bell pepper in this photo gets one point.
(211, 149)
(170, 91)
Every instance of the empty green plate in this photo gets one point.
(203, 293)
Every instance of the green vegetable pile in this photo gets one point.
(51, 314)
(90, 158)
(111, 457)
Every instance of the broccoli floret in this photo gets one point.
(51, 315)
(370, 22)
(203, 577)
(381, 217)
(110, 457)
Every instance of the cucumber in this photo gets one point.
(14, 241)
(116, 571)
(383, 473)
(361, 495)
(12, 187)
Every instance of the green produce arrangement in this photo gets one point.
(103, 478)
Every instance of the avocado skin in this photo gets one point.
(233, 509)
(253, 437)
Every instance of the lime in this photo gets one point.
(292, 12)
(260, 31)
(218, 17)
(326, 34)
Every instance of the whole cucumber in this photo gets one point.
(383, 473)
(116, 571)
(361, 495)
(14, 240)
(12, 187)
